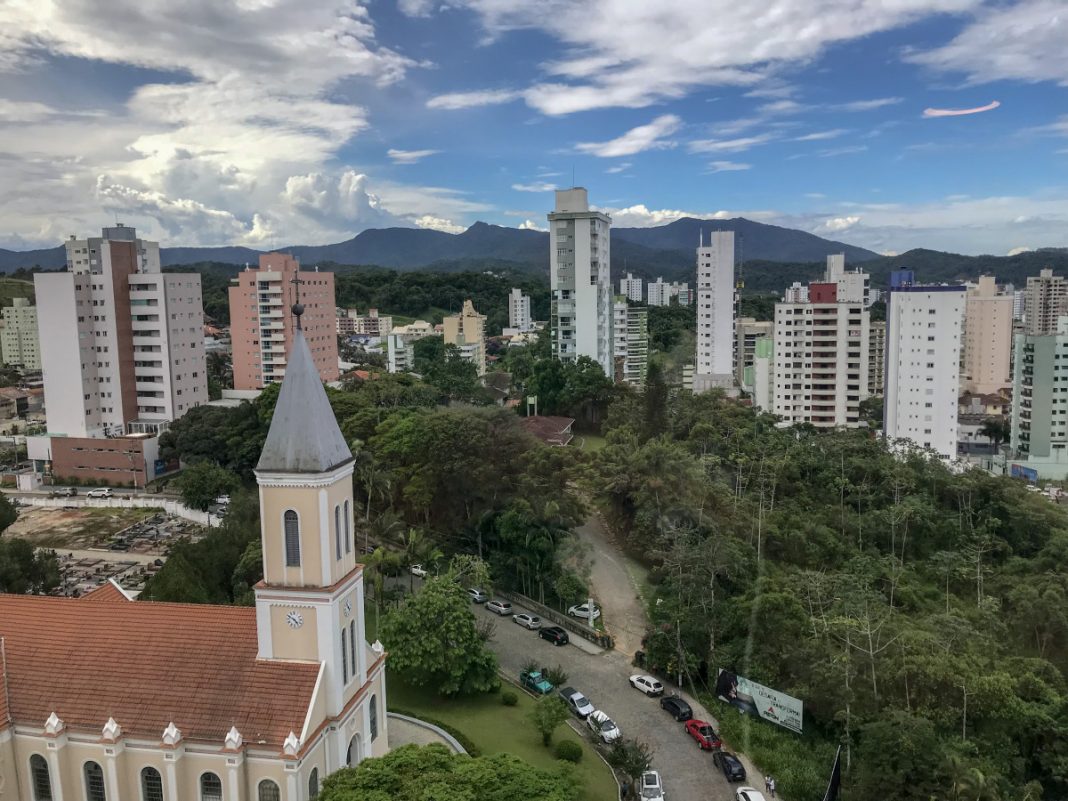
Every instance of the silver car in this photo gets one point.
(477, 595)
(603, 726)
(532, 622)
(502, 608)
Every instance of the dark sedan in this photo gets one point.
(679, 709)
(731, 766)
(555, 635)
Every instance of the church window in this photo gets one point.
(352, 758)
(313, 785)
(292, 533)
(94, 782)
(151, 785)
(372, 708)
(269, 791)
(348, 529)
(210, 787)
(337, 530)
(344, 658)
(352, 645)
(41, 778)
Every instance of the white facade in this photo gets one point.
(123, 344)
(796, 293)
(18, 340)
(579, 259)
(987, 338)
(923, 341)
(400, 354)
(682, 293)
(658, 293)
(519, 310)
(630, 326)
(631, 288)
(715, 312)
(852, 286)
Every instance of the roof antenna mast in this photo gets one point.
(298, 309)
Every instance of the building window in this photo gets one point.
(372, 708)
(41, 778)
(292, 534)
(313, 785)
(344, 657)
(94, 782)
(337, 531)
(210, 787)
(268, 791)
(348, 529)
(151, 785)
(352, 645)
(352, 758)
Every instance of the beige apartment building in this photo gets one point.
(1045, 300)
(467, 331)
(19, 342)
(104, 698)
(985, 367)
(876, 356)
(262, 322)
(748, 331)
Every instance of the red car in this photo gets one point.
(705, 735)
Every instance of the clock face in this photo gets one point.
(295, 619)
(348, 607)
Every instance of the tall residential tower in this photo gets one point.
(715, 312)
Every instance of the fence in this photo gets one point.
(171, 507)
(600, 638)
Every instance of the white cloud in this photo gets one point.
(636, 140)
(817, 136)
(815, 195)
(640, 216)
(1018, 250)
(539, 186)
(618, 168)
(959, 112)
(438, 224)
(841, 151)
(729, 145)
(409, 156)
(868, 105)
(480, 97)
(416, 8)
(1021, 41)
(837, 224)
(727, 166)
(530, 225)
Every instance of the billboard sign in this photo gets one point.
(756, 699)
(1019, 471)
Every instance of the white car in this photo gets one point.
(418, 571)
(502, 608)
(98, 493)
(749, 794)
(603, 726)
(647, 685)
(476, 595)
(583, 611)
(651, 788)
(532, 622)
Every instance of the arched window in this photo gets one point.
(40, 778)
(372, 708)
(352, 646)
(313, 785)
(344, 657)
(352, 758)
(292, 532)
(210, 787)
(348, 529)
(151, 785)
(94, 782)
(337, 530)
(269, 791)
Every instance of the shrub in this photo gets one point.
(509, 698)
(461, 738)
(556, 676)
(568, 750)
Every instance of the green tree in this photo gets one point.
(997, 430)
(26, 570)
(899, 757)
(631, 758)
(9, 513)
(433, 641)
(548, 714)
(203, 482)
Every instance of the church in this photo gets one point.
(103, 698)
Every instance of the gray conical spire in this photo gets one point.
(304, 437)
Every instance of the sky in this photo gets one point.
(889, 124)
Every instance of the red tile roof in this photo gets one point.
(147, 664)
(105, 592)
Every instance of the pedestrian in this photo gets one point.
(624, 790)
(767, 783)
(771, 785)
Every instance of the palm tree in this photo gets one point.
(997, 430)
(417, 549)
(380, 563)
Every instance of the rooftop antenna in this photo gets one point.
(573, 175)
(298, 309)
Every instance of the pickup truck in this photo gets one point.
(535, 682)
(576, 702)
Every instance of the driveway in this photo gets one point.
(688, 772)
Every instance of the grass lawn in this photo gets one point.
(590, 442)
(494, 727)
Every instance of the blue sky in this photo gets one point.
(273, 122)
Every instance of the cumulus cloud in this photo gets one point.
(727, 166)
(409, 156)
(438, 224)
(641, 216)
(645, 137)
(538, 186)
(479, 97)
(836, 224)
(1018, 250)
(959, 112)
(530, 225)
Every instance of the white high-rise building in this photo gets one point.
(631, 288)
(923, 343)
(519, 311)
(1045, 301)
(715, 313)
(122, 343)
(852, 286)
(19, 341)
(682, 293)
(987, 338)
(1019, 302)
(796, 293)
(579, 259)
(631, 348)
(658, 293)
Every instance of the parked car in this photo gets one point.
(418, 571)
(555, 635)
(63, 492)
(223, 500)
(647, 684)
(732, 767)
(477, 595)
(705, 735)
(650, 787)
(603, 726)
(532, 622)
(535, 682)
(583, 611)
(576, 702)
(749, 794)
(502, 608)
(98, 493)
(678, 708)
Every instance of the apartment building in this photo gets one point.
(748, 332)
(876, 356)
(658, 293)
(1045, 300)
(631, 288)
(682, 293)
(346, 321)
(796, 293)
(987, 338)
(852, 287)
(1040, 403)
(262, 322)
(519, 311)
(400, 350)
(582, 297)
(19, 344)
(821, 359)
(467, 331)
(923, 344)
(758, 379)
(715, 312)
(631, 347)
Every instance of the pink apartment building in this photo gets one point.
(262, 323)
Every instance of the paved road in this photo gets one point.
(688, 772)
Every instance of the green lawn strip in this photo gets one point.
(495, 728)
(591, 442)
